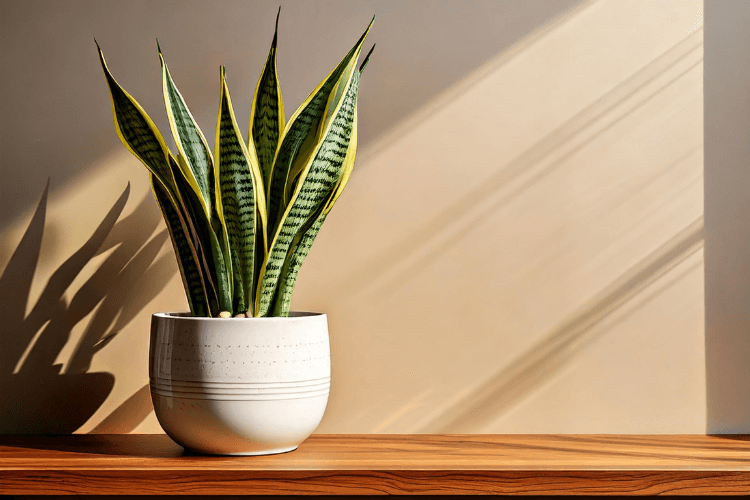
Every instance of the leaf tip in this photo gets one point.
(276, 30)
(101, 58)
(367, 31)
(99, 50)
(367, 59)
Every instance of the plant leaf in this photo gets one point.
(190, 141)
(209, 237)
(317, 182)
(222, 259)
(202, 236)
(138, 133)
(300, 249)
(302, 136)
(241, 196)
(267, 114)
(187, 258)
(239, 302)
(197, 167)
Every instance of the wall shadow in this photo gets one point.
(40, 395)
(126, 417)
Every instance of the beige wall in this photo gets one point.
(520, 248)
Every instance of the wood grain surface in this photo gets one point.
(378, 464)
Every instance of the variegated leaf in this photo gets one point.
(239, 302)
(138, 132)
(190, 141)
(302, 136)
(187, 258)
(317, 182)
(201, 234)
(267, 114)
(222, 257)
(240, 193)
(213, 238)
(301, 247)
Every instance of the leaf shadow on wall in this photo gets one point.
(38, 396)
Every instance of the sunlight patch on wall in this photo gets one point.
(522, 210)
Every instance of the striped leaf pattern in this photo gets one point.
(288, 277)
(243, 221)
(138, 132)
(316, 185)
(267, 113)
(302, 135)
(298, 252)
(187, 258)
(240, 304)
(190, 141)
(237, 191)
(222, 258)
(202, 236)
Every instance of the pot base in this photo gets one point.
(276, 451)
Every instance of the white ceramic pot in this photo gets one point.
(239, 386)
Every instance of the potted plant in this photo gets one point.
(240, 373)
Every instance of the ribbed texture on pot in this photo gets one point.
(242, 392)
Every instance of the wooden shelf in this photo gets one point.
(376, 464)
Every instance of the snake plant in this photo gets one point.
(243, 219)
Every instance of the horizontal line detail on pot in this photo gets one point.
(243, 391)
(239, 385)
(239, 397)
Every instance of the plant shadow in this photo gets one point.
(40, 395)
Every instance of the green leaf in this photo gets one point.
(187, 258)
(138, 132)
(303, 133)
(366, 60)
(239, 302)
(302, 245)
(241, 196)
(190, 141)
(267, 114)
(202, 236)
(318, 181)
(222, 259)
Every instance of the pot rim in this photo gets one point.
(293, 316)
